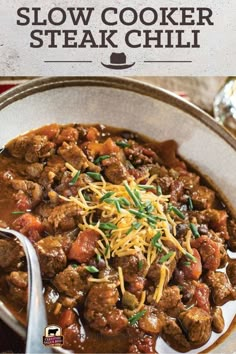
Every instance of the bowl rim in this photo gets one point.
(41, 84)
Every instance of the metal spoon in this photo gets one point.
(36, 312)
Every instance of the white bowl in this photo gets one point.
(130, 104)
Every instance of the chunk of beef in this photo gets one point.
(141, 342)
(170, 301)
(152, 321)
(52, 172)
(217, 221)
(202, 197)
(221, 242)
(133, 273)
(218, 322)
(72, 282)
(176, 191)
(197, 325)
(220, 286)
(231, 272)
(74, 155)
(209, 251)
(64, 216)
(154, 271)
(174, 335)
(165, 184)
(51, 255)
(131, 266)
(232, 235)
(101, 311)
(11, 254)
(18, 283)
(30, 226)
(190, 180)
(50, 296)
(39, 147)
(114, 170)
(18, 147)
(83, 248)
(34, 170)
(31, 189)
(139, 154)
(67, 134)
(188, 289)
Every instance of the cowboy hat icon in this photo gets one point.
(118, 62)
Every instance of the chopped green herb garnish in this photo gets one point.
(194, 230)
(140, 265)
(137, 194)
(152, 224)
(107, 249)
(187, 264)
(166, 257)
(122, 144)
(156, 238)
(98, 257)
(74, 179)
(135, 318)
(96, 176)
(86, 197)
(190, 203)
(74, 265)
(136, 200)
(18, 212)
(190, 256)
(148, 207)
(107, 226)
(101, 158)
(146, 186)
(109, 200)
(107, 195)
(141, 215)
(91, 269)
(177, 212)
(135, 226)
(117, 204)
(124, 202)
(159, 190)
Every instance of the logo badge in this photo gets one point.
(53, 336)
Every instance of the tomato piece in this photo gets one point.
(68, 134)
(209, 251)
(82, 248)
(201, 296)
(192, 270)
(30, 226)
(92, 134)
(67, 318)
(23, 202)
(107, 148)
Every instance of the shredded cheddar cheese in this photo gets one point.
(131, 216)
(121, 278)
